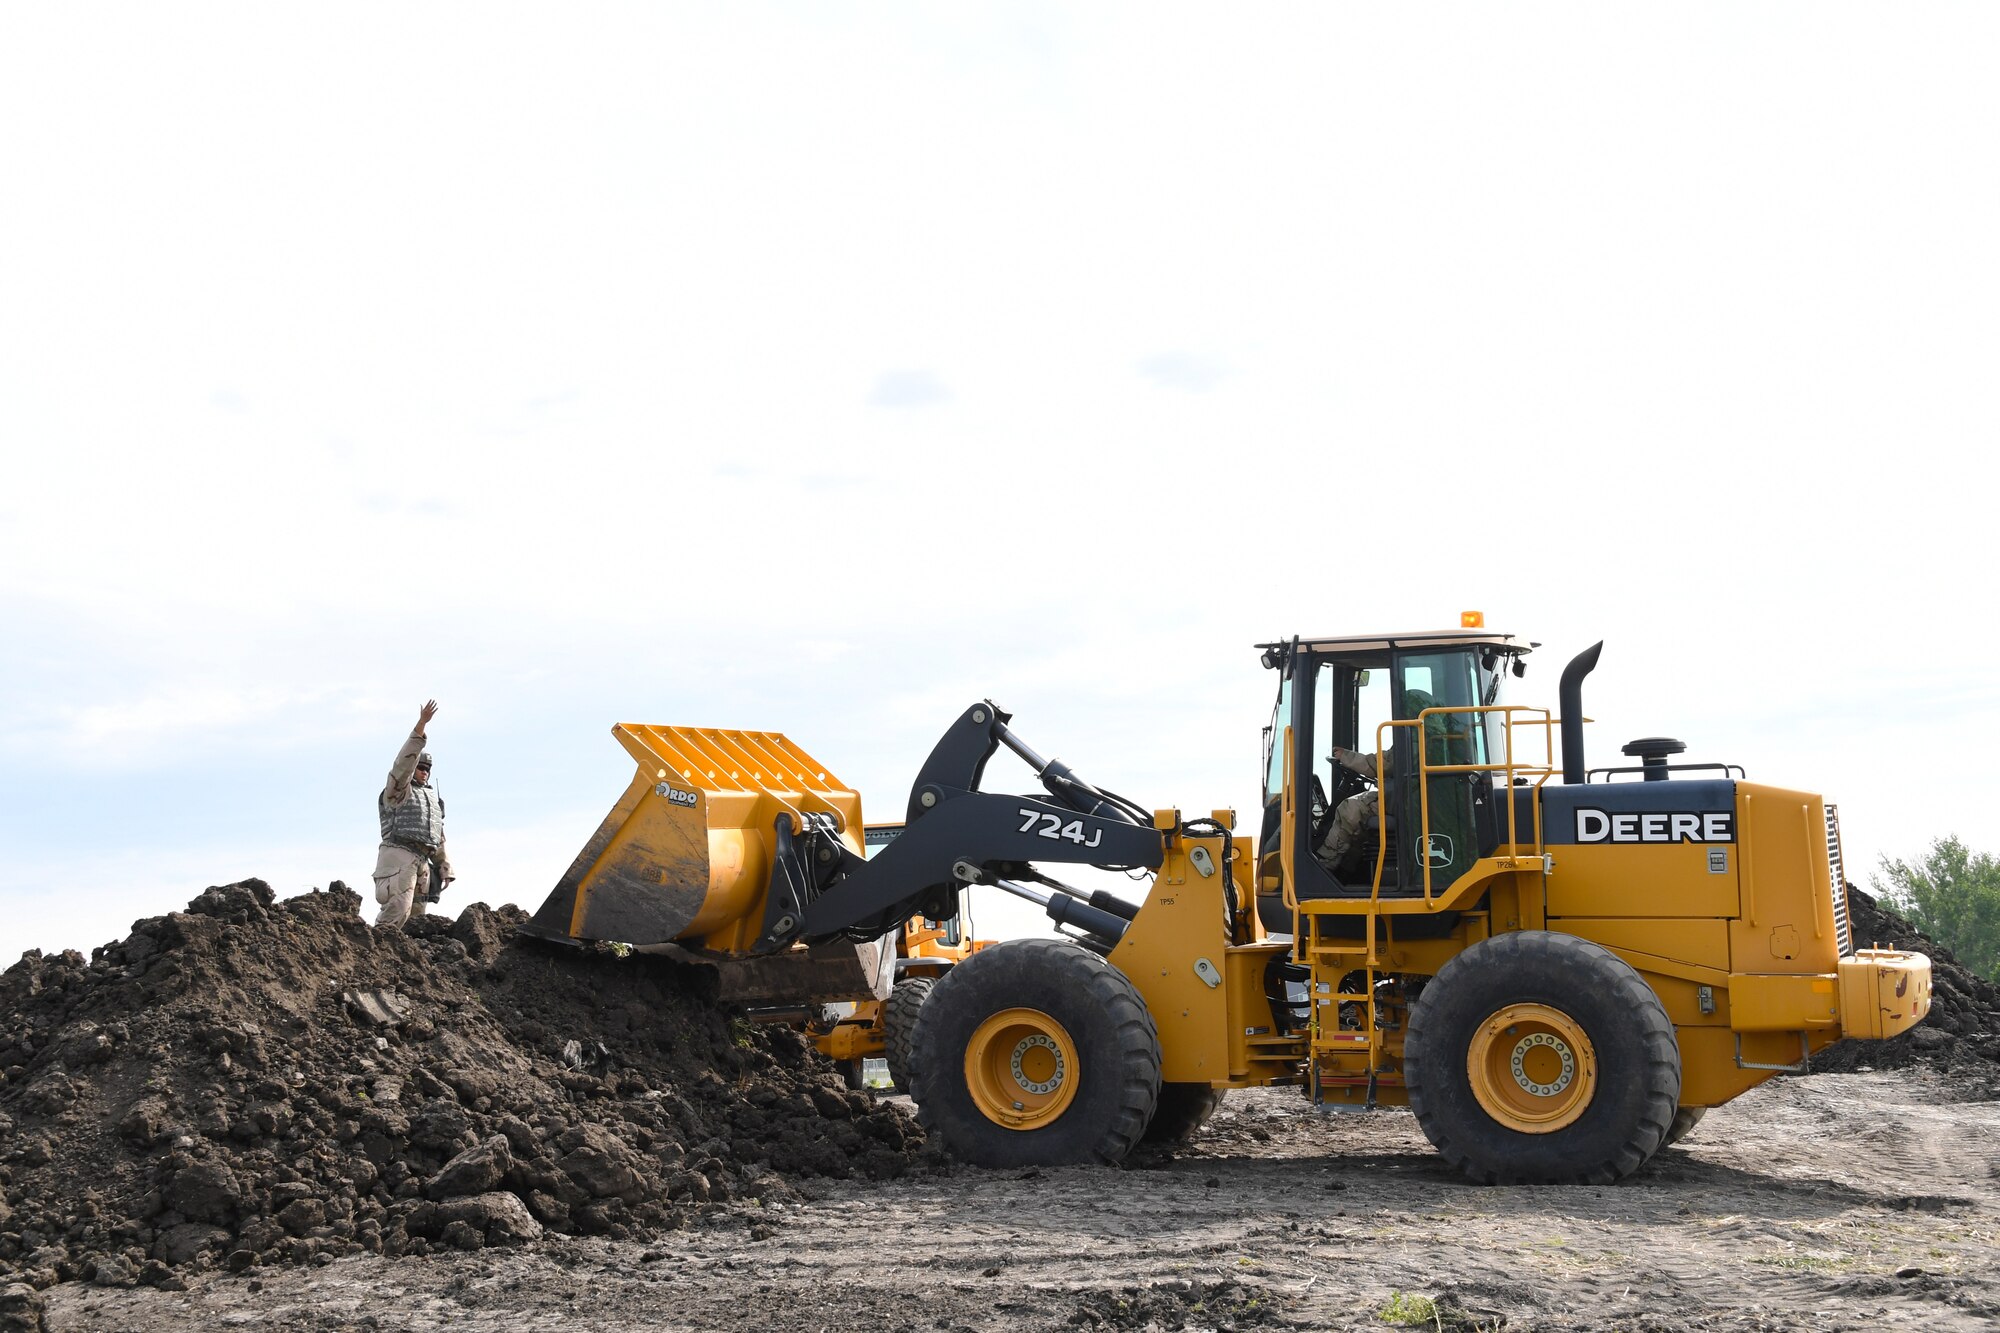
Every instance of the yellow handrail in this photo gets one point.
(1507, 766)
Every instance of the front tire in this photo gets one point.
(1035, 1053)
(1541, 1058)
(899, 1026)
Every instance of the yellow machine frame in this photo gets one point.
(1749, 970)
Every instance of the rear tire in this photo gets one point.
(899, 1026)
(1035, 1053)
(1542, 1058)
(1182, 1110)
(1685, 1120)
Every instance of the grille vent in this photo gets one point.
(1843, 934)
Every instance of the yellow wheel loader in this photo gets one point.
(1557, 977)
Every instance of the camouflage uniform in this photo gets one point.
(1352, 814)
(412, 820)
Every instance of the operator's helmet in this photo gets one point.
(424, 761)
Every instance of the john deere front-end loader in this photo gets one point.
(1556, 977)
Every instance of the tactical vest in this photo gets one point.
(417, 822)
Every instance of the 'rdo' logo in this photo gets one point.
(675, 796)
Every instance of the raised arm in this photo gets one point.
(406, 758)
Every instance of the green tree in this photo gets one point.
(1953, 896)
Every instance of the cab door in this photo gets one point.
(1436, 813)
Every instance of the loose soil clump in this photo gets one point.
(254, 1082)
(1959, 1038)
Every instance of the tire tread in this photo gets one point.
(1182, 1110)
(1530, 953)
(899, 1026)
(1109, 994)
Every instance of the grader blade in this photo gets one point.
(685, 859)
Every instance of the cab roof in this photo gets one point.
(1425, 638)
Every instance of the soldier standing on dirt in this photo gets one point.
(412, 832)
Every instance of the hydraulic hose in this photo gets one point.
(1063, 784)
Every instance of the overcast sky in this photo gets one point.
(824, 368)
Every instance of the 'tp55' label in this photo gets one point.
(1655, 826)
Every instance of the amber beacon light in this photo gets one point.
(1472, 620)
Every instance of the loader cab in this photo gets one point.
(1347, 694)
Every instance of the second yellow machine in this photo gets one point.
(1556, 976)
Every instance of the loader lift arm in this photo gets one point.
(956, 835)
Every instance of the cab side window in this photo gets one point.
(1371, 711)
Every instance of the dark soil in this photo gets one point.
(253, 1082)
(1960, 1038)
(1841, 1202)
(257, 1086)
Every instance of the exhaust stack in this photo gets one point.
(1570, 699)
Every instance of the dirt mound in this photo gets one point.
(1960, 1038)
(252, 1081)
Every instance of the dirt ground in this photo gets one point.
(264, 1115)
(1828, 1202)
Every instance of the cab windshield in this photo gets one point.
(1455, 679)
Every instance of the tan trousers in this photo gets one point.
(1349, 817)
(402, 877)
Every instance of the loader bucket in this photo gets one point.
(685, 855)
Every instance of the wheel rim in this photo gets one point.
(1532, 1067)
(1021, 1068)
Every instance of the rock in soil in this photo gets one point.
(253, 1082)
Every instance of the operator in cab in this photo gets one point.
(1351, 816)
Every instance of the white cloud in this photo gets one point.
(161, 718)
(908, 388)
(1185, 371)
